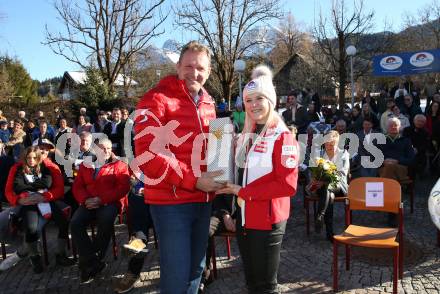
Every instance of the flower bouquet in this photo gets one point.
(324, 171)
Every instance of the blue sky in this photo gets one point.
(22, 29)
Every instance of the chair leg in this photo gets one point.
(3, 250)
(115, 247)
(395, 269)
(438, 237)
(46, 257)
(347, 257)
(307, 217)
(214, 259)
(335, 266)
(228, 246)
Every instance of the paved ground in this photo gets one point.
(305, 262)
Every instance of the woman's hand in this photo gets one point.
(229, 189)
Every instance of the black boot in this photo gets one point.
(37, 264)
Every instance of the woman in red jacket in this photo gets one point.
(35, 184)
(267, 159)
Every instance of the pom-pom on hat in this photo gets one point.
(261, 85)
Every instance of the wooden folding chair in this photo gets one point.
(362, 236)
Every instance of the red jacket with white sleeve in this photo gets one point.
(110, 184)
(170, 142)
(270, 178)
(55, 192)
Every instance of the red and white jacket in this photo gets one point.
(55, 192)
(110, 184)
(269, 179)
(169, 175)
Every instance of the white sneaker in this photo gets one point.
(10, 261)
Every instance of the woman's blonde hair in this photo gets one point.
(26, 168)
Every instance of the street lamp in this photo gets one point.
(239, 66)
(351, 51)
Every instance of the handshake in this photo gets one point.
(207, 183)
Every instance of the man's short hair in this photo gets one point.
(196, 47)
(116, 109)
(85, 134)
(419, 116)
(368, 119)
(341, 122)
(105, 141)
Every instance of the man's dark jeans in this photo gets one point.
(182, 230)
(89, 251)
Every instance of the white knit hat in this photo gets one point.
(261, 84)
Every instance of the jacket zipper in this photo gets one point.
(201, 129)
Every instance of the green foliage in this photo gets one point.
(94, 91)
(18, 77)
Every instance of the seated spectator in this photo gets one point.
(30, 130)
(43, 134)
(83, 125)
(404, 122)
(355, 115)
(83, 112)
(398, 153)
(35, 184)
(370, 101)
(98, 126)
(420, 140)
(433, 117)
(4, 132)
(63, 129)
(141, 222)
(222, 107)
(238, 117)
(115, 131)
(22, 116)
(312, 115)
(325, 192)
(388, 113)
(16, 141)
(364, 141)
(11, 125)
(409, 108)
(49, 129)
(98, 190)
(295, 113)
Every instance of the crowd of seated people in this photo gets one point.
(36, 185)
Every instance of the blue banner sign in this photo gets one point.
(407, 63)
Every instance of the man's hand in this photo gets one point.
(229, 223)
(229, 189)
(36, 198)
(207, 183)
(93, 203)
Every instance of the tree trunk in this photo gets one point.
(341, 70)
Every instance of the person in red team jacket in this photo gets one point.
(267, 160)
(98, 189)
(170, 145)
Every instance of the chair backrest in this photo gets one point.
(376, 194)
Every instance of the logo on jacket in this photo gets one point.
(163, 138)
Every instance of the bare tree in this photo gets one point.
(110, 32)
(290, 39)
(342, 28)
(225, 26)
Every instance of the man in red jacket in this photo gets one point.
(97, 189)
(170, 145)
